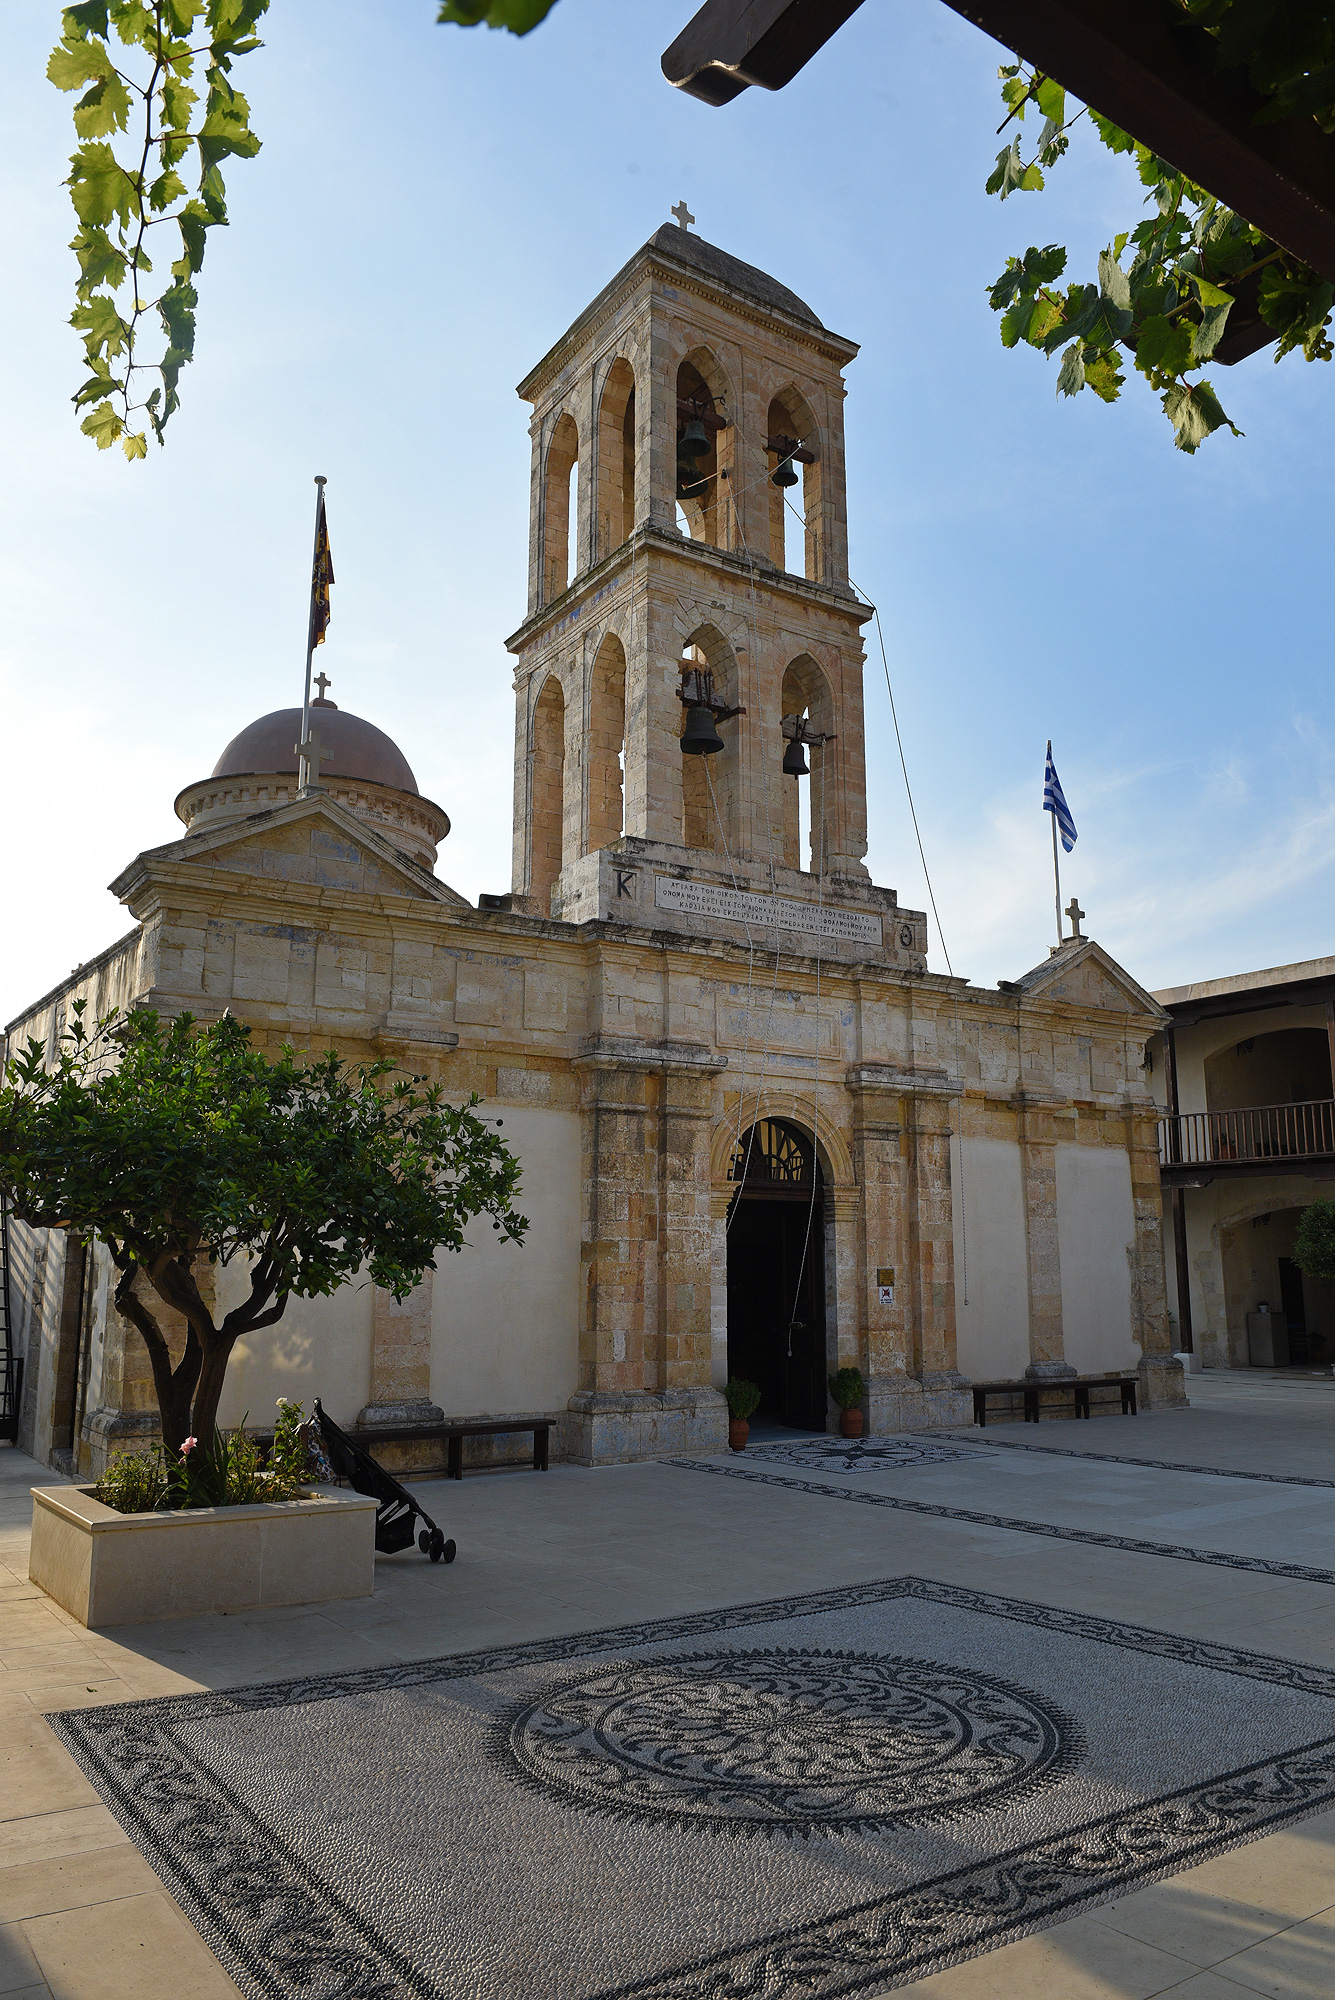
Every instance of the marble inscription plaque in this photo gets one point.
(706, 899)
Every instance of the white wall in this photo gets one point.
(992, 1329)
(505, 1318)
(1096, 1233)
(320, 1347)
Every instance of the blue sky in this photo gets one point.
(431, 208)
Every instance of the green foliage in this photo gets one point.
(519, 16)
(184, 1148)
(742, 1398)
(1314, 1249)
(1167, 306)
(144, 99)
(847, 1388)
(290, 1456)
(232, 1474)
(134, 1483)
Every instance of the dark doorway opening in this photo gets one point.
(776, 1273)
(1294, 1308)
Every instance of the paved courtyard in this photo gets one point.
(1196, 1532)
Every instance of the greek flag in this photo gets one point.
(1054, 801)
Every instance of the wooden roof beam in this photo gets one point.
(1136, 61)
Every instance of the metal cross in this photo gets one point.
(1074, 912)
(313, 752)
(682, 215)
(322, 681)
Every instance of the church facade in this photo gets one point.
(759, 1136)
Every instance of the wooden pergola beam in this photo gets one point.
(1139, 62)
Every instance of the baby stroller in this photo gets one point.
(397, 1510)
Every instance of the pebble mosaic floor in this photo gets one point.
(831, 1793)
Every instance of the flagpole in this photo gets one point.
(1056, 864)
(303, 767)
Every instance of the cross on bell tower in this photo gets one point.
(671, 423)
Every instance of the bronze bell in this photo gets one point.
(690, 486)
(786, 474)
(700, 737)
(794, 762)
(694, 441)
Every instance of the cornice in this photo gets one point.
(648, 539)
(648, 264)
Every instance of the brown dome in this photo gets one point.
(350, 748)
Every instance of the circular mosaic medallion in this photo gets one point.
(789, 1741)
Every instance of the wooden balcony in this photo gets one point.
(1201, 1146)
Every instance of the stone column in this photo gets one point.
(902, 1130)
(1162, 1380)
(1038, 1149)
(685, 1120)
(931, 1236)
(880, 1168)
(401, 1360)
(646, 1300)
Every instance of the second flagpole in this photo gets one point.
(303, 767)
(1056, 864)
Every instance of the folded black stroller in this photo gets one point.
(397, 1512)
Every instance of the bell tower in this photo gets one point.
(692, 638)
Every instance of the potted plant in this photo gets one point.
(847, 1391)
(742, 1398)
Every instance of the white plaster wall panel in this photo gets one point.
(320, 1347)
(992, 1324)
(1096, 1232)
(505, 1316)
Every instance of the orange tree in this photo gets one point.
(184, 1149)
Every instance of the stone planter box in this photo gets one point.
(106, 1568)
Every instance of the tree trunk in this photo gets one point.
(209, 1388)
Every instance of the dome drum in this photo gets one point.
(360, 767)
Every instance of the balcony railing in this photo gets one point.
(1267, 1132)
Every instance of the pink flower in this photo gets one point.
(188, 1446)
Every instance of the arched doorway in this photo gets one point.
(776, 1273)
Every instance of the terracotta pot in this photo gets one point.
(738, 1432)
(850, 1423)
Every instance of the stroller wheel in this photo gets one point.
(424, 1541)
(448, 1553)
(440, 1550)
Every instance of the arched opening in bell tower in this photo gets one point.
(708, 794)
(547, 792)
(616, 458)
(776, 1272)
(794, 524)
(808, 802)
(560, 506)
(606, 745)
(704, 452)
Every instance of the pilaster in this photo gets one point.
(1038, 1148)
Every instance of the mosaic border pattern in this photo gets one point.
(1154, 1464)
(1131, 1544)
(282, 1932)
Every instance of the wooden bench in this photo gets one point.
(1076, 1386)
(453, 1435)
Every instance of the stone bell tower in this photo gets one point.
(659, 578)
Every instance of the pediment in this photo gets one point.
(314, 841)
(1083, 974)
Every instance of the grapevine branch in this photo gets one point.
(118, 203)
(1169, 306)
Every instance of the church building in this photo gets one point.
(760, 1137)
